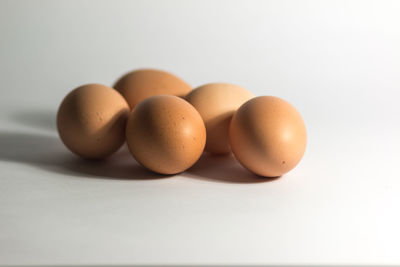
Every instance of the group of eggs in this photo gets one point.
(167, 125)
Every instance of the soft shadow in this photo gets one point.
(48, 153)
(40, 119)
(225, 169)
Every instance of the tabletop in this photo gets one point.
(338, 62)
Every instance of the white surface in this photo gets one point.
(338, 62)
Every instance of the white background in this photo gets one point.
(338, 62)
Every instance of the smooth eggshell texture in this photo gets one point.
(137, 85)
(268, 136)
(165, 134)
(216, 103)
(91, 121)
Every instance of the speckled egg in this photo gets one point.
(165, 134)
(91, 121)
(268, 136)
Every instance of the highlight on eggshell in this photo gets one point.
(91, 121)
(137, 85)
(216, 103)
(268, 136)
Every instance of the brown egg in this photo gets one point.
(137, 85)
(165, 134)
(216, 103)
(268, 136)
(91, 121)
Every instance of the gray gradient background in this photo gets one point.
(338, 62)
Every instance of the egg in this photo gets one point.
(137, 85)
(268, 136)
(91, 121)
(216, 103)
(165, 134)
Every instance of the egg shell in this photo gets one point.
(268, 136)
(165, 134)
(137, 85)
(216, 103)
(91, 121)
